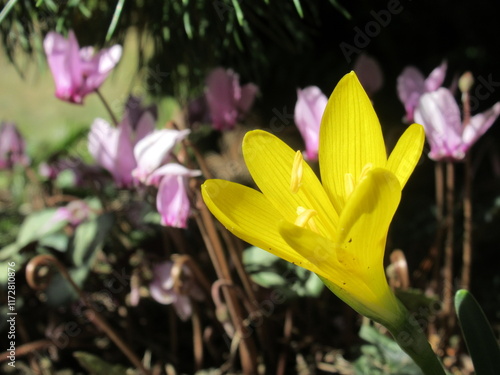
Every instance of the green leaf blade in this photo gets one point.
(479, 338)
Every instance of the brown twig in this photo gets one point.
(448, 259)
(32, 269)
(214, 246)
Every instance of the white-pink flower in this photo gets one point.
(164, 290)
(172, 201)
(412, 85)
(311, 104)
(449, 139)
(77, 71)
(153, 151)
(227, 100)
(12, 147)
(113, 147)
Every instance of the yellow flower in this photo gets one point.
(336, 228)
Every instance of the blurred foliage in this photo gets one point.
(180, 39)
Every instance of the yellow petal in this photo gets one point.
(350, 137)
(365, 290)
(365, 220)
(407, 152)
(271, 162)
(248, 215)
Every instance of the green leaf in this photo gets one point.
(298, 7)
(6, 9)
(60, 292)
(383, 355)
(96, 366)
(341, 9)
(479, 338)
(239, 12)
(88, 238)
(114, 20)
(38, 225)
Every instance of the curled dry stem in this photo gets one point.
(36, 282)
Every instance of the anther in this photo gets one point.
(297, 169)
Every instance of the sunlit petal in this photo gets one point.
(250, 216)
(350, 138)
(407, 153)
(270, 163)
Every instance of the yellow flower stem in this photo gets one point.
(410, 337)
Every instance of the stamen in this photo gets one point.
(365, 171)
(305, 217)
(297, 168)
(349, 184)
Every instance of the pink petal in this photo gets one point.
(369, 73)
(311, 104)
(436, 78)
(222, 93)
(124, 162)
(172, 201)
(410, 87)
(478, 125)
(103, 143)
(145, 126)
(154, 149)
(248, 93)
(438, 112)
(99, 68)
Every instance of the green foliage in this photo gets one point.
(272, 272)
(382, 355)
(480, 340)
(178, 33)
(97, 366)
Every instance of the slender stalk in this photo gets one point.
(467, 239)
(448, 259)
(108, 108)
(440, 188)
(411, 338)
(467, 203)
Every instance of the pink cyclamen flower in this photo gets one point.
(412, 85)
(153, 151)
(75, 212)
(369, 73)
(227, 100)
(311, 104)
(77, 71)
(172, 201)
(449, 139)
(12, 147)
(164, 290)
(113, 148)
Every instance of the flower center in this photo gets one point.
(350, 183)
(305, 218)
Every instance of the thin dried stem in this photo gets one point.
(467, 239)
(216, 252)
(448, 260)
(32, 277)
